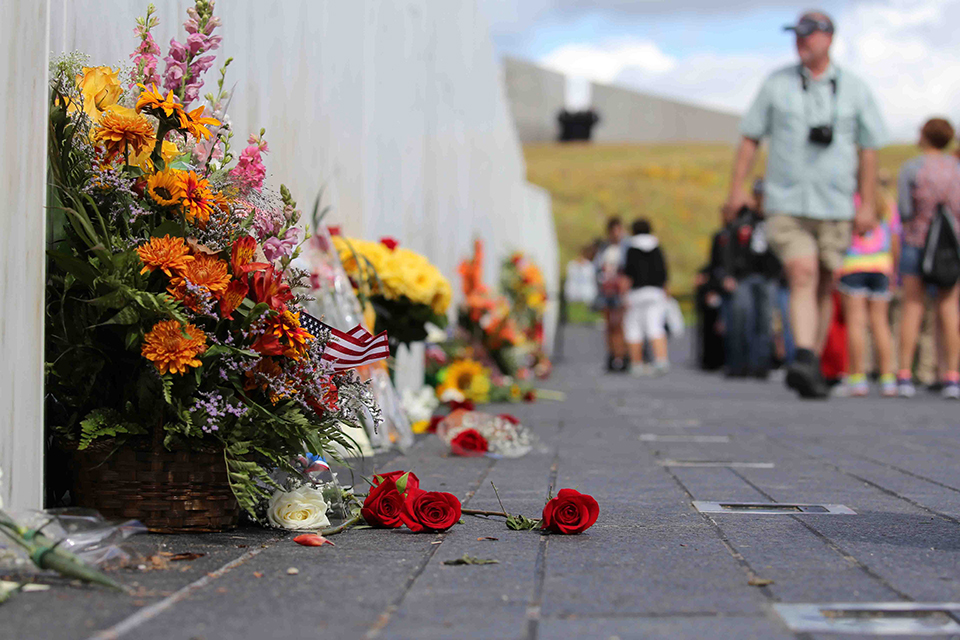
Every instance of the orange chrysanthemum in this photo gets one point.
(153, 101)
(170, 255)
(194, 123)
(284, 336)
(206, 271)
(172, 348)
(197, 198)
(123, 130)
(164, 187)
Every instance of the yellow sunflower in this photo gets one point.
(164, 187)
(197, 198)
(172, 348)
(470, 378)
(170, 255)
(123, 130)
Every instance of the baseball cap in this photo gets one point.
(810, 22)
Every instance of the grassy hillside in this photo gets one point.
(679, 187)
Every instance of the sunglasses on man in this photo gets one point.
(807, 25)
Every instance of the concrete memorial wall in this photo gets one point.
(630, 116)
(536, 96)
(394, 108)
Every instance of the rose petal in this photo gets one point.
(312, 540)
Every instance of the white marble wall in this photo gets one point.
(394, 106)
(23, 73)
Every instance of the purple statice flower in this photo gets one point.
(214, 409)
(275, 248)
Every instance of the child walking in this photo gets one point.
(928, 184)
(865, 279)
(646, 270)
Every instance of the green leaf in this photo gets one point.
(465, 559)
(105, 423)
(127, 315)
(521, 523)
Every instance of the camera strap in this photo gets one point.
(805, 84)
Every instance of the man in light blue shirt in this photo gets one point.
(823, 129)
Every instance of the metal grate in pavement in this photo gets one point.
(873, 618)
(716, 463)
(656, 437)
(772, 508)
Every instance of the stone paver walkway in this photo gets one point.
(652, 567)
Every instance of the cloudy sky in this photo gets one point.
(716, 52)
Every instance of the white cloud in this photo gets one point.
(905, 50)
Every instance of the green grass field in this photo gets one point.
(679, 187)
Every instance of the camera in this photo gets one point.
(822, 135)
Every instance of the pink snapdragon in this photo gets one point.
(185, 64)
(250, 171)
(145, 55)
(275, 248)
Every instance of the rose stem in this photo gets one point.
(497, 493)
(478, 512)
(342, 526)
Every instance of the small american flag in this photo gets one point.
(351, 349)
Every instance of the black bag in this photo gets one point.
(941, 252)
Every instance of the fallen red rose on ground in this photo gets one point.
(430, 510)
(383, 506)
(512, 419)
(469, 443)
(413, 482)
(570, 512)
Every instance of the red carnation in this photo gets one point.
(389, 243)
(430, 510)
(383, 506)
(469, 442)
(570, 512)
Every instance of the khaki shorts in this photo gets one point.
(793, 237)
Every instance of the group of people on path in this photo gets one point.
(819, 224)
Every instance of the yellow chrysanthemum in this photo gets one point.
(122, 130)
(194, 123)
(197, 199)
(470, 378)
(164, 188)
(100, 87)
(172, 348)
(170, 255)
(153, 101)
(205, 271)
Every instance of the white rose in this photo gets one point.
(301, 509)
(452, 395)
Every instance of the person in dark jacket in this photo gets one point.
(646, 270)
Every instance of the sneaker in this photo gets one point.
(639, 370)
(951, 391)
(905, 388)
(805, 379)
(661, 369)
(888, 387)
(847, 389)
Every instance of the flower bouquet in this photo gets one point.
(178, 374)
(486, 318)
(405, 291)
(522, 283)
(475, 433)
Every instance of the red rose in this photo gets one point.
(509, 418)
(466, 405)
(530, 396)
(570, 512)
(389, 243)
(383, 506)
(413, 482)
(469, 442)
(430, 510)
(334, 229)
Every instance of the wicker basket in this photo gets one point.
(179, 491)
